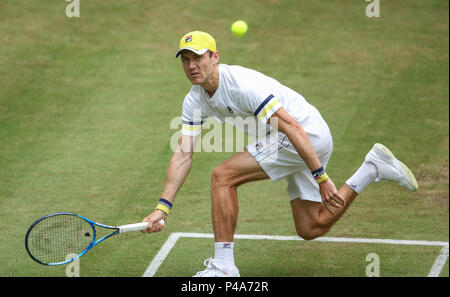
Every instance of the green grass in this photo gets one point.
(311, 258)
(85, 107)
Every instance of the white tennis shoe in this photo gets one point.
(391, 169)
(213, 270)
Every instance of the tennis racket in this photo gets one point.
(51, 238)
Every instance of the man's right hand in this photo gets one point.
(153, 220)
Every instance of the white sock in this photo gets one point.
(365, 175)
(224, 254)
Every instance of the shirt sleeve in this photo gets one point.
(258, 95)
(267, 108)
(191, 128)
(192, 117)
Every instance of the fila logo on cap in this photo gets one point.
(188, 38)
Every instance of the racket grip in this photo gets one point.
(135, 227)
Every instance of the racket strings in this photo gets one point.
(53, 239)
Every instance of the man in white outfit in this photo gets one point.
(299, 151)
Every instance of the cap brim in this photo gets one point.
(198, 52)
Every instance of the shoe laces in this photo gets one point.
(210, 265)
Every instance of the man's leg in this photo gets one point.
(312, 219)
(239, 169)
(225, 178)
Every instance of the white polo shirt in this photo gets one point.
(243, 93)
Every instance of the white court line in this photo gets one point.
(162, 254)
(439, 263)
(173, 238)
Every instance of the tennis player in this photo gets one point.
(299, 151)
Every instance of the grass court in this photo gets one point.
(86, 105)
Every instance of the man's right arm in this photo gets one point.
(179, 167)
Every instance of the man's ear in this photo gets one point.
(216, 56)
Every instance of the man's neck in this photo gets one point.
(212, 84)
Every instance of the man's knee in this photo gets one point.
(312, 230)
(308, 222)
(221, 176)
(307, 234)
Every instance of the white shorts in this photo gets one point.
(279, 159)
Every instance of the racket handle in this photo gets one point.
(135, 227)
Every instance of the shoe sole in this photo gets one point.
(414, 186)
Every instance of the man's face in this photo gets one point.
(199, 68)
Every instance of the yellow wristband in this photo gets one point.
(163, 208)
(322, 178)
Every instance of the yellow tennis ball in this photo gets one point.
(239, 28)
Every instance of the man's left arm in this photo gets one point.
(300, 140)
